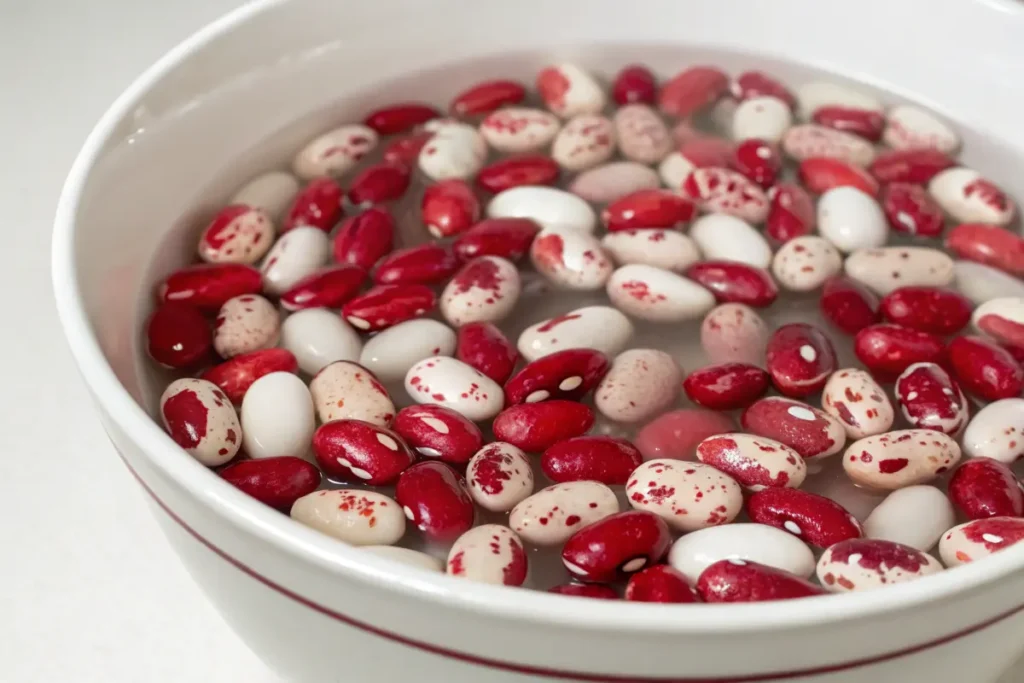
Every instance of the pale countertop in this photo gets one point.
(92, 592)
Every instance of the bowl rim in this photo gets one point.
(305, 544)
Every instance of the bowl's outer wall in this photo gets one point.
(166, 163)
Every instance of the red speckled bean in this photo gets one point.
(489, 553)
(387, 305)
(733, 333)
(499, 477)
(400, 118)
(733, 282)
(855, 399)
(900, 458)
(800, 358)
(449, 208)
(178, 336)
(509, 238)
(622, 543)
(887, 350)
(237, 234)
(406, 150)
(790, 213)
(660, 583)
(727, 386)
(606, 459)
(751, 84)
(484, 347)
(928, 309)
(535, 427)
(810, 432)
(821, 174)
(434, 498)
(849, 305)
(648, 209)
(916, 166)
(755, 462)
(675, 435)
(724, 191)
(586, 590)
(362, 240)
(328, 287)
(983, 488)
(864, 564)
(634, 84)
(930, 399)
(758, 160)
(277, 482)
(207, 286)
(383, 182)
(568, 374)
(745, 581)
(485, 97)
(985, 369)
(516, 171)
(979, 538)
(318, 204)
(357, 451)
(235, 376)
(687, 495)
(814, 519)
(911, 210)
(692, 90)
(425, 264)
(863, 122)
(434, 431)
(988, 244)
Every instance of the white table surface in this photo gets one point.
(92, 592)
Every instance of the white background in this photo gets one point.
(90, 590)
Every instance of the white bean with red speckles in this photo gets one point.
(548, 206)
(246, 323)
(345, 390)
(969, 197)
(273, 192)
(277, 417)
(456, 385)
(808, 141)
(571, 259)
(318, 337)
(238, 234)
(591, 327)
(674, 169)
(456, 151)
(406, 556)
(915, 516)
(499, 477)
(900, 458)
(187, 399)
(639, 384)
(687, 495)
(997, 432)
(910, 127)
(519, 129)
(667, 249)
(734, 333)
(335, 152)
(979, 538)
(489, 553)
(650, 293)
(728, 238)
(586, 141)
(854, 398)
(550, 516)
(866, 564)
(296, 254)
(390, 353)
(642, 134)
(485, 290)
(888, 268)
(804, 263)
(355, 516)
(851, 219)
(765, 118)
(696, 551)
(813, 96)
(569, 90)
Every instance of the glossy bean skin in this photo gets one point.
(489, 553)
(809, 431)
(508, 238)
(434, 431)
(208, 286)
(486, 97)
(383, 182)
(659, 583)
(916, 516)
(535, 427)
(791, 213)
(362, 240)
(199, 418)
(426, 264)
(733, 282)
(499, 477)
(979, 538)
(357, 517)
(990, 245)
(435, 499)
(849, 305)
(983, 488)
(985, 369)
(800, 359)
(483, 346)
(384, 306)
(855, 399)
(236, 375)
(357, 451)
(727, 386)
(567, 375)
(553, 514)
(865, 564)
(900, 458)
(688, 495)
(916, 166)
(909, 209)
(329, 287)
(634, 83)
(400, 118)
(930, 399)
(755, 462)
(622, 543)
(676, 434)
(178, 336)
(277, 482)
(887, 349)
(737, 580)
(605, 459)
(928, 309)
(817, 520)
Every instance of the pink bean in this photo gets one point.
(675, 435)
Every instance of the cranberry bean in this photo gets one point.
(733, 333)
(889, 268)
(860, 122)
(985, 369)
(820, 521)
(916, 166)
(692, 90)
(318, 337)
(916, 516)
(246, 323)
(357, 451)
(639, 384)
(527, 169)
(434, 497)
(805, 263)
(750, 84)
(499, 477)
(1002, 319)
(695, 552)
(814, 96)
(277, 417)
(411, 558)
(856, 400)
(178, 336)
(390, 353)
(694, 153)
(620, 544)
(457, 151)
(383, 182)
(586, 141)
(568, 375)
(272, 192)
(425, 264)
(928, 309)
(733, 282)
(930, 399)
(660, 583)
(437, 432)
(995, 432)
(318, 205)
(910, 127)
(657, 295)
(487, 96)
(328, 287)
(209, 286)
(449, 208)
(362, 240)
(570, 259)
(509, 238)
(519, 129)
(721, 190)
(800, 359)
(534, 427)
(687, 495)
(790, 212)
(356, 517)
(553, 514)
(592, 327)
(661, 248)
(277, 482)
(812, 141)
(485, 348)
(548, 206)
(406, 150)
(386, 305)
(728, 238)
(335, 152)
(344, 390)
(736, 580)
(865, 564)
(237, 234)
(755, 462)
(605, 459)
(758, 160)
(641, 134)
(634, 83)
(614, 180)
(909, 209)
(484, 290)
(848, 304)
(449, 382)
(568, 90)
(727, 386)
(675, 435)
(969, 197)
(235, 376)
(489, 553)
(201, 420)
(764, 119)
(586, 590)
(648, 209)
(979, 538)
(988, 244)
(810, 432)
(900, 458)
(985, 488)
(887, 350)
(400, 118)
(821, 174)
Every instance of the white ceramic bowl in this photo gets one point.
(317, 610)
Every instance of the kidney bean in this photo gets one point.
(456, 151)
(517, 171)
(236, 375)
(856, 400)
(400, 118)
(426, 264)
(387, 305)
(810, 432)
(208, 286)
(359, 518)
(357, 451)
(721, 237)
(434, 431)
(909, 209)
(484, 290)
(406, 150)
(692, 90)
(568, 375)
(620, 544)
(735, 580)
(764, 119)
(916, 516)
(434, 497)
(928, 309)
(910, 127)
(758, 160)
(812, 141)
(817, 520)
(487, 96)
(641, 134)
(733, 282)
(519, 129)
(277, 417)
(362, 240)
(535, 427)
(1003, 320)
(979, 538)
(317, 205)
(887, 349)
(346, 390)
(724, 191)
(509, 238)
(865, 564)
(659, 247)
(900, 458)
(237, 234)
(848, 304)
(985, 369)
(548, 206)
(658, 295)
(634, 84)
(790, 212)
(489, 553)
(733, 333)
(391, 353)
(553, 514)
(639, 384)
(988, 244)
(178, 336)
(586, 590)
(861, 122)
(916, 166)
(969, 197)
(995, 432)
(751, 84)
(609, 182)
(648, 209)
(484, 347)
(585, 141)
(930, 399)
(659, 583)
(449, 208)
(675, 435)
(335, 152)
(272, 192)
(702, 151)
(821, 174)
(805, 263)
(606, 459)
(277, 482)
(696, 551)
(449, 382)
(383, 182)
(727, 386)
(570, 259)
(245, 323)
(755, 462)
(499, 476)
(595, 327)
(328, 287)
(200, 419)
(800, 359)
(687, 495)
(569, 90)
(984, 488)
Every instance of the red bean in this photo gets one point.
(754, 462)
(634, 84)
(435, 499)
(434, 431)
(727, 386)
(916, 166)
(746, 581)
(484, 347)
(357, 451)
(208, 285)
(406, 150)
(800, 359)
(328, 287)
(485, 97)
(426, 264)
(675, 435)
(660, 583)
(235, 375)
(863, 122)
(985, 369)
(848, 304)
(928, 309)
(790, 214)
(362, 240)
(508, 238)
(318, 204)
(277, 482)
(983, 488)
(733, 282)
(383, 182)
(400, 118)
(911, 210)
(178, 336)
(887, 350)
(586, 590)
(930, 399)
(821, 174)
(809, 431)
(812, 518)
(648, 209)
(535, 427)
(525, 169)
(569, 374)
(750, 84)
(606, 459)
(387, 305)
(692, 90)
(619, 544)
(449, 208)
(757, 160)
(988, 244)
